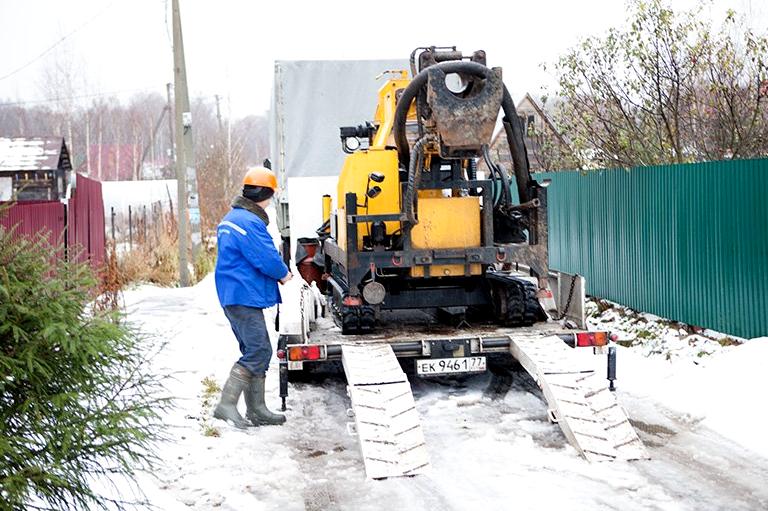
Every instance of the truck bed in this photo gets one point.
(406, 330)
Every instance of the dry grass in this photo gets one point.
(210, 386)
(155, 261)
(110, 282)
(211, 391)
(205, 262)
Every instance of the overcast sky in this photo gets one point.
(124, 46)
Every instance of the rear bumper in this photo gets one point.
(432, 347)
(435, 348)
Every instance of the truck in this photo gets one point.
(423, 266)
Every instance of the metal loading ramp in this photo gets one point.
(579, 399)
(388, 426)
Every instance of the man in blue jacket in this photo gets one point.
(248, 269)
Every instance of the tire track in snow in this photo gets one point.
(716, 472)
(315, 441)
(330, 461)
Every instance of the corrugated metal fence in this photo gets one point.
(84, 225)
(85, 222)
(686, 242)
(36, 217)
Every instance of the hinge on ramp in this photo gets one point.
(387, 424)
(579, 400)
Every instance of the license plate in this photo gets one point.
(429, 366)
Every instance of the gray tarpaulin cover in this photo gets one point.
(310, 101)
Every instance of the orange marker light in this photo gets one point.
(305, 352)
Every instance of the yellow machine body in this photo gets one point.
(354, 178)
(447, 222)
(444, 222)
(384, 117)
(414, 226)
(326, 208)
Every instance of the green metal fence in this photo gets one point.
(686, 242)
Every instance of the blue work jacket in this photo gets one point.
(248, 266)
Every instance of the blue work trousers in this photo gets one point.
(251, 333)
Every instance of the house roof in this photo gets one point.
(542, 113)
(33, 153)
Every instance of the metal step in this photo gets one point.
(388, 426)
(579, 399)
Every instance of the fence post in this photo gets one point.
(170, 200)
(172, 222)
(158, 220)
(130, 228)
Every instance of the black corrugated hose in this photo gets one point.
(414, 176)
(512, 128)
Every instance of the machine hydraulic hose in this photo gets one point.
(414, 175)
(494, 169)
(512, 129)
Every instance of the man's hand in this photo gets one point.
(287, 277)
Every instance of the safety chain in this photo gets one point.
(570, 297)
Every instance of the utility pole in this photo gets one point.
(218, 114)
(88, 143)
(188, 206)
(229, 144)
(101, 150)
(151, 143)
(171, 152)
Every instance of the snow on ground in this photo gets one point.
(489, 439)
(708, 376)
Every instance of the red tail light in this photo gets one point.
(352, 301)
(281, 354)
(584, 339)
(307, 352)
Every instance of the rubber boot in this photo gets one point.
(238, 381)
(256, 409)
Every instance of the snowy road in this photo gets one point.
(490, 443)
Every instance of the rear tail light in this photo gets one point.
(306, 352)
(584, 339)
(351, 301)
(281, 354)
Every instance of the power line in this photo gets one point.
(98, 95)
(81, 96)
(54, 45)
(167, 30)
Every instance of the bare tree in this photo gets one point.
(664, 90)
(106, 133)
(729, 117)
(62, 79)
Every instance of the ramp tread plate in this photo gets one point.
(372, 364)
(388, 426)
(587, 412)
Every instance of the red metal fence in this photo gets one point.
(33, 218)
(82, 221)
(85, 222)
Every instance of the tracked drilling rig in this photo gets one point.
(414, 226)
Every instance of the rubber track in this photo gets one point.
(522, 305)
(353, 320)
